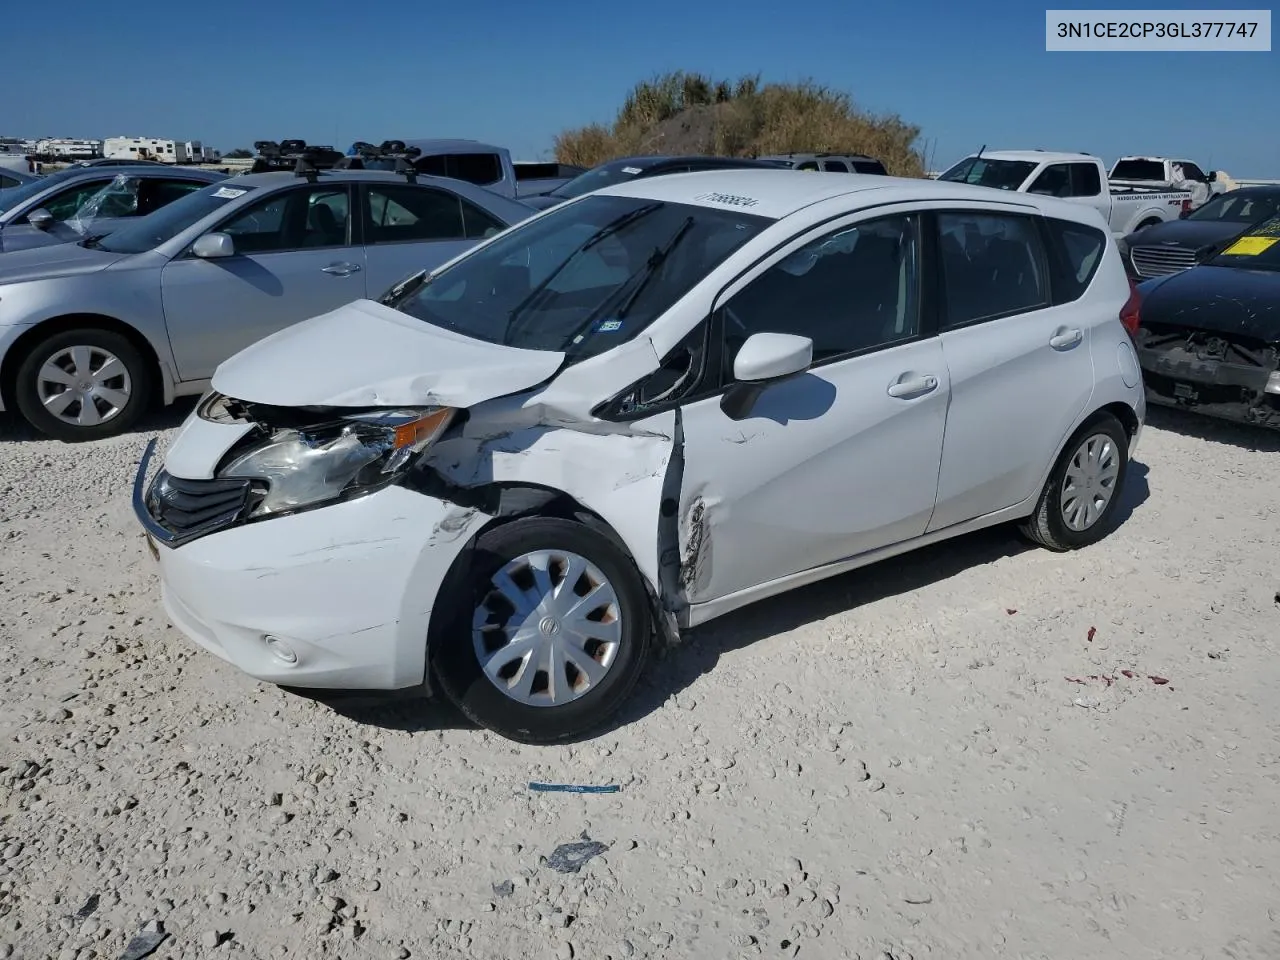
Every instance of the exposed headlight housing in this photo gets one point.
(343, 457)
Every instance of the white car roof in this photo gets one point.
(779, 193)
(1037, 156)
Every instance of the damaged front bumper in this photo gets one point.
(339, 597)
(1181, 375)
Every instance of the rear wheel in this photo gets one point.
(548, 633)
(82, 385)
(1078, 504)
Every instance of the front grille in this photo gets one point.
(190, 508)
(1158, 261)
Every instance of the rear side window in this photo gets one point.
(1085, 180)
(992, 266)
(834, 166)
(1054, 181)
(1075, 250)
(481, 169)
(1138, 170)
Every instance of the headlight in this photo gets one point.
(353, 454)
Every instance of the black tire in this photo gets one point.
(27, 390)
(457, 666)
(1047, 526)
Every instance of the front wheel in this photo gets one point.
(1080, 498)
(548, 633)
(82, 385)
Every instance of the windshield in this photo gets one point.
(147, 233)
(1138, 170)
(605, 175)
(1259, 249)
(583, 278)
(18, 195)
(986, 172)
(1239, 208)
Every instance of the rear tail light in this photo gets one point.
(1130, 312)
(1186, 206)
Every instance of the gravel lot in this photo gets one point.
(890, 764)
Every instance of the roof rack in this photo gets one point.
(305, 160)
(391, 155)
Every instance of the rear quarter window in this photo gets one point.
(1075, 250)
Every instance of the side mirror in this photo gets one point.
(213, 246)
(772, 356)
(40, 218)
(766, 358)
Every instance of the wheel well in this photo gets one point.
(1124, 413)
(74, 321)
(1149, 222)
(507, 503)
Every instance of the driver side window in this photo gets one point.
(64, 205)
(303, 218)
(850, 291)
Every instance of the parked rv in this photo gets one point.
(152, 148)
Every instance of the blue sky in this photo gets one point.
(967, 73)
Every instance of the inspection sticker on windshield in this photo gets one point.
(609, 326)
(1251, 246)
(631, 170)
(228, 193)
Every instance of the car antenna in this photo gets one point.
(979, 153)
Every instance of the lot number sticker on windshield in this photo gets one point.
(1251, 246)
(228, 193)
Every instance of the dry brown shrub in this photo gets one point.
(687, 113)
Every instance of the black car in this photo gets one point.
(632, 168)
(1209, 337)
(1166, 248)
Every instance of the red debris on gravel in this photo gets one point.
(1092, 632)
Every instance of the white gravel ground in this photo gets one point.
(890, 764)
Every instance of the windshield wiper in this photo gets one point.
(608, 230)
(91, 243)
(405, 288)
(634, 284)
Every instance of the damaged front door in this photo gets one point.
(839, 460)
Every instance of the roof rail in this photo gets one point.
(305, 160)
(392, 155)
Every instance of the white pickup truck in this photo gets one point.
(1071, 176)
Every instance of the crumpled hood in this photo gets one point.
(364, 354)
(54, 260)
(1229, 301)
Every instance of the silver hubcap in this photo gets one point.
(1090, 482)
(84, 386)
(548, 629)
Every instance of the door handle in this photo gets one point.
(913, 387)
(1065, 339)
(341, 269)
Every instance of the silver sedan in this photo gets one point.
(94, 331)
(81, 201)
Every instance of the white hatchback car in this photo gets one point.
(638, 411)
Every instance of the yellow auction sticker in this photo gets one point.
(1250, 246)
